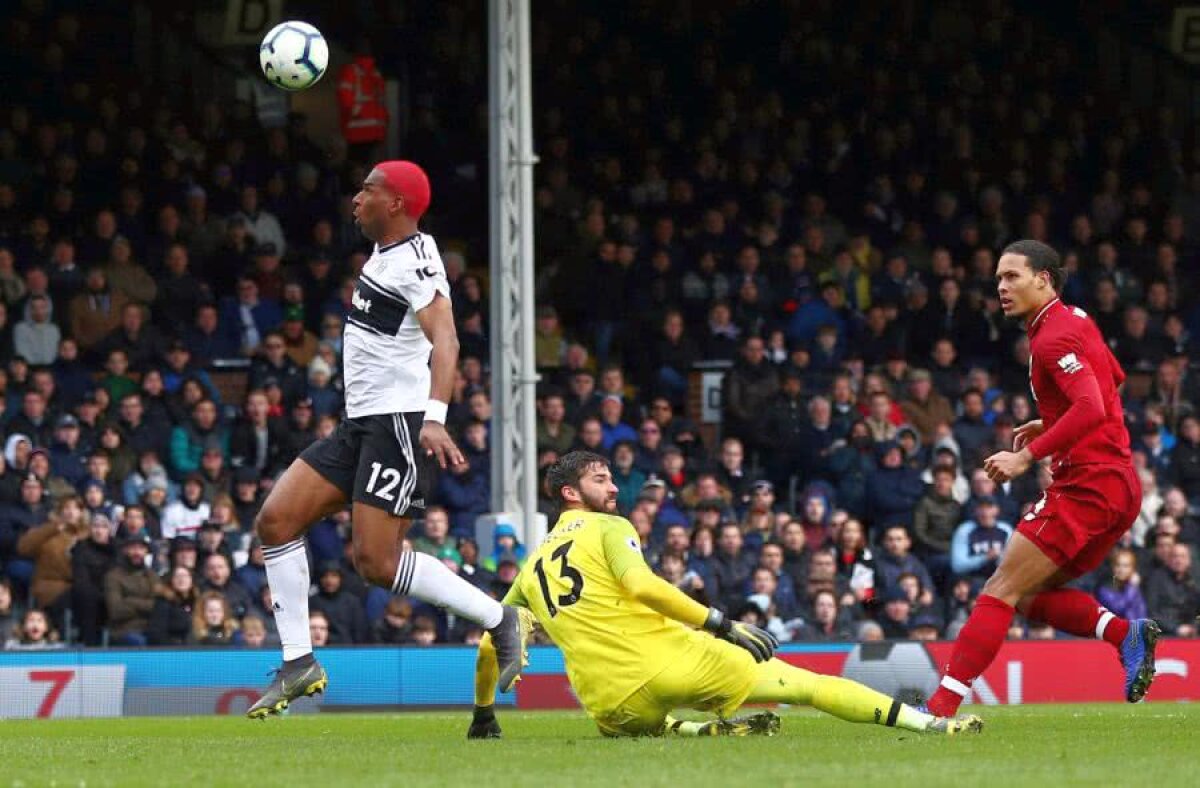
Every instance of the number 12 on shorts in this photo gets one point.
(391, 478)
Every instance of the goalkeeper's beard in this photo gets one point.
(603, 504)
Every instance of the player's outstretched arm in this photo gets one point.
(627, 565)
(437, 321)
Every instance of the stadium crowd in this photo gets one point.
(821, 210)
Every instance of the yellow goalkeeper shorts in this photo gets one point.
(711, 675)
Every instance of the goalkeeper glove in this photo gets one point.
(484, 724)
(760, 643)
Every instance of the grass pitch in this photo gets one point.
(1020, 746)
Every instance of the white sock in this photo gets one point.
(287, 574)
(428, 579)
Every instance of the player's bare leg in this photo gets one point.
(300, 497)
(779, 682)
(380, 559)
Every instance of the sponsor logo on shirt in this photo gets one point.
(1070, 364)
(359, 302)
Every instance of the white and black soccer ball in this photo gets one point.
(293, 55)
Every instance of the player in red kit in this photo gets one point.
(1094, 498)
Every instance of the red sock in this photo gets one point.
(1078, 613)
(974, 650)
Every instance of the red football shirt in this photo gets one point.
(1074, 377)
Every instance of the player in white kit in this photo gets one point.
(400, 351)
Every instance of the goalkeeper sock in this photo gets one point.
(429, 579)
(287, 574)
(1077, 613)
(845, 699)
(848, 700)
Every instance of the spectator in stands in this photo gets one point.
(1122, 595)
(896, 559)
(177, 293)
(10, 611)
(91, 559)
(628, 478)
(274, 364)
(978, 543)
(12, 288)
(971, 431)
(15, 520)
(301, 343)
(183, 517)
(550, 346)
(250, 317)
(129, 592)
(924, 408)
(49, 546)
(343, 610)
(395, 628)
(893, 489)
(66, 454)
(318, 628)
(218, 577)
(142, 343)
(36, 338)
(672, 357)
(1185, 457)
(856, 562)
(171, 617)
(35, 633)
(435, 531)
(936, 517)
(747, 390)
(257, 439)
(213, 623)
(827, 622)
(470, 569)
(732, 473)
(188, 441)
(731, 567)
(816, 519)
(207, 338)
(1172, 595)
(553, 432)
(322, 396)
(255, 633)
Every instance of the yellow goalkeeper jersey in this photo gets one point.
(612, 643)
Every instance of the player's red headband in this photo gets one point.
(410, 182)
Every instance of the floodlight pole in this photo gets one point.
(514, 371)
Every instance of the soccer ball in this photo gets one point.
(293, 55)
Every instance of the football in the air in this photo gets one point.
(293, 55)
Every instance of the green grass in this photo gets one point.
(1020, 747)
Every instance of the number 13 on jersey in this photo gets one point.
(567, 573)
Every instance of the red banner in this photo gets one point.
(1078, 671)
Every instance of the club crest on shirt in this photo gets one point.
(1070, 364)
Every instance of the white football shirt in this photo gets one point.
(385, 353)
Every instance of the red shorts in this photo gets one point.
(1083, 514)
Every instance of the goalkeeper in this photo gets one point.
(636, 648)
